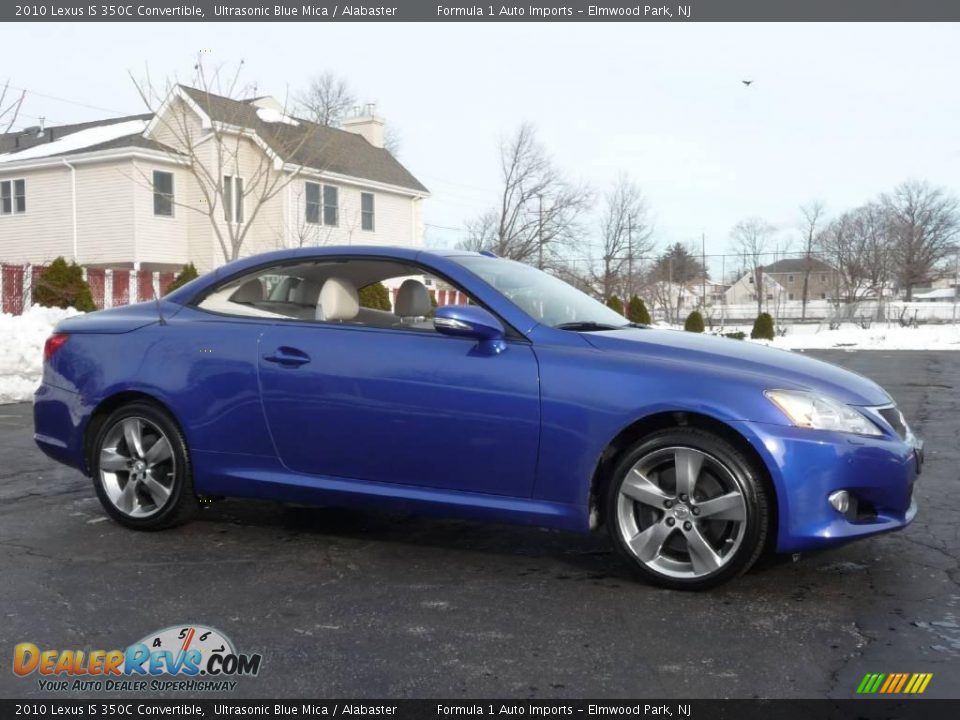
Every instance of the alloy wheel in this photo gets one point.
(681, 512)
(137, 467)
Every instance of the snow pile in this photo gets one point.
(79, 140)
(879, 336)
(269, 115)
(21, 350)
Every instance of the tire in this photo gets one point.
(141, 483)
(676, 538)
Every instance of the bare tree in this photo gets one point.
(750, 239)
(811, 226)
(235, 144)
(539, 212)
(626, 235)
(924, 222)
(10, 104)
(858, 246)
(327, 99)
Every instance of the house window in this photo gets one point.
(321, 204)
(13, 197)
(330, 209)
(789, 296)
(366, 211)
(790, 278)
(313, 203)
(232, 199)
(823, 278)
(751, 280)
(823, 296)
(162, 193)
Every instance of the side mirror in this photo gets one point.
(470, 321)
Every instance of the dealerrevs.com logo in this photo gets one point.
(187, 658)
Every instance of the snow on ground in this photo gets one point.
(21, 350)
(78, 140)
(879, 336)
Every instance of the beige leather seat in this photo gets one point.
(413, 302)
(339, 301)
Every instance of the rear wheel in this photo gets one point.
(687, 509)
(141, 468)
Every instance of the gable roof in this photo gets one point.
(308, 144)
(798, 265)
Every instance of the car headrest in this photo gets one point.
(250, 292)
(413, 300)
(338, 300)
(306, 293)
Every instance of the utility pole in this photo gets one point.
(703, 269)
(540, 231)
(956, 282)
(629, 259)
(670, 287)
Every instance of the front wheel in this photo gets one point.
(141, 468)
(687, 509)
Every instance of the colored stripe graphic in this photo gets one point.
(894, 683)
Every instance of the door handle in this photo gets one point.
(288, 356)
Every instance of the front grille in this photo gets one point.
(893, 416)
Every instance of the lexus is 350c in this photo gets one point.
(519, 399)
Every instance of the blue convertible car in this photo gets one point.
(529, 403)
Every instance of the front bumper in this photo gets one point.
(807, 466)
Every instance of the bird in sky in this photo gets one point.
(747, 83)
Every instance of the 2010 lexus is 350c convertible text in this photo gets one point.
(525, 402)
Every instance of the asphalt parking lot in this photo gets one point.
(349, 604)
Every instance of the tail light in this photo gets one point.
(54, 343)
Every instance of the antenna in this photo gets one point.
(156, 299)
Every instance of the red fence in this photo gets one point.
(109, 288)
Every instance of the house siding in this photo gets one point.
(160, 240)
(117, 226)
(397, 218)
(45, 231)
(105, 226)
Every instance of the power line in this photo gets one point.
(65, 100)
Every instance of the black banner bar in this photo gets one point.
(444, 11)
(867, 709)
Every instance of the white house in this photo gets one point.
(155, 191)
(744, 291)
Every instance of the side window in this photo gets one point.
(364, 292)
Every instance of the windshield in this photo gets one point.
(545, 298)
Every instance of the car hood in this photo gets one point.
(773, 368)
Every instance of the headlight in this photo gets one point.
(805, 409)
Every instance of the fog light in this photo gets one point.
(840, 500)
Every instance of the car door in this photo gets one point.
(401, 406)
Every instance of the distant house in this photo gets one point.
(744, 291)
(120, 192)
(783, 282)
(822, 281)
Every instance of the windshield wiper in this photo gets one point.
(589, 326)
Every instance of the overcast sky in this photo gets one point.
(837, 113)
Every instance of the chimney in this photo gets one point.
(367, 124)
